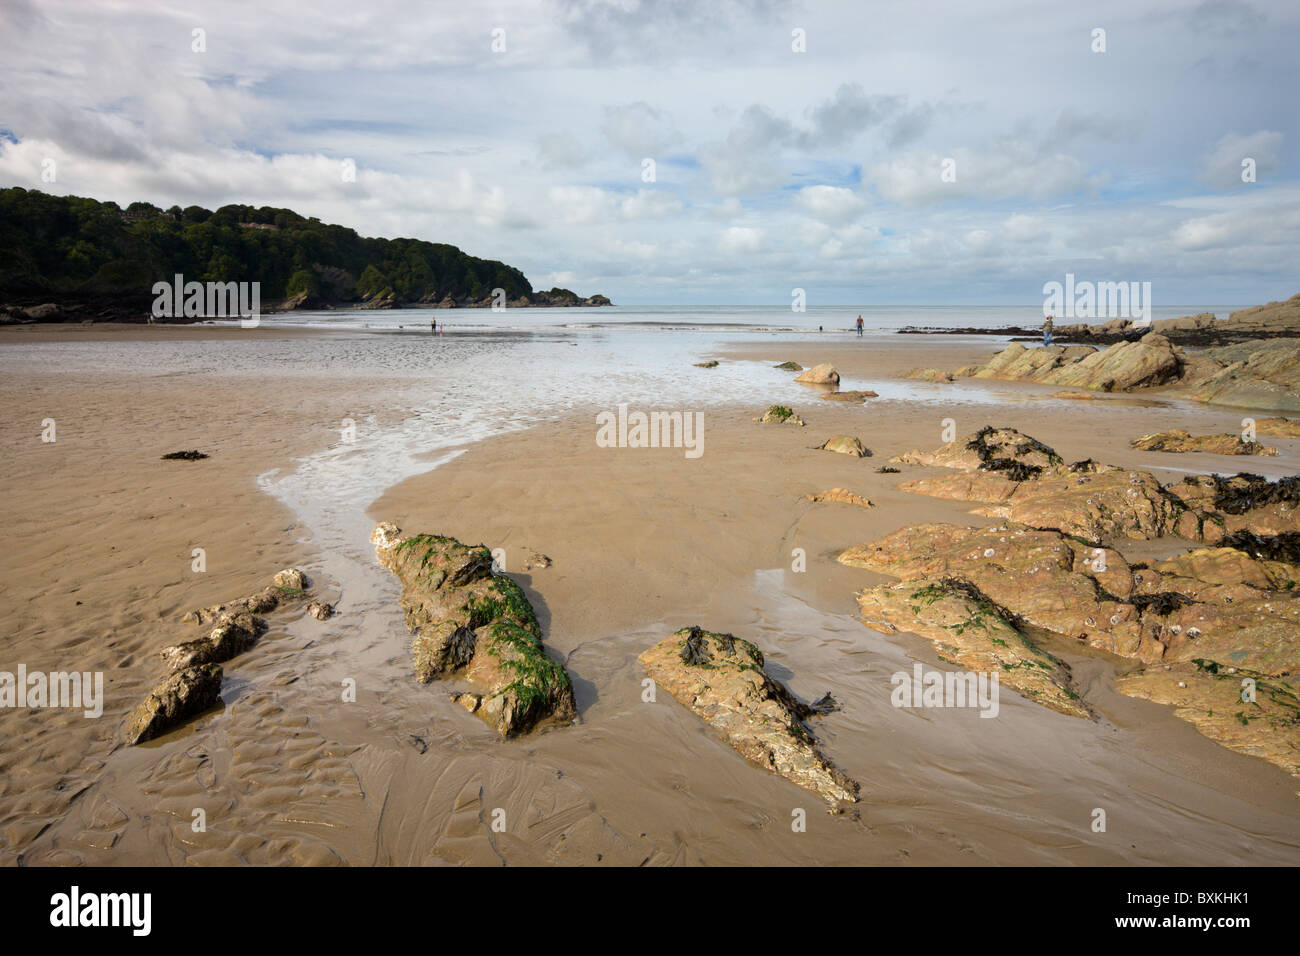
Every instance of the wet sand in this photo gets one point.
(644, 541)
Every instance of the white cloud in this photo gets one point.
(833, 204)
(740, 239)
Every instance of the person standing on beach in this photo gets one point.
(1047, 332)
(859, 326)
(433, 326)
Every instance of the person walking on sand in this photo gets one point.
(1047, 332)
(859, 326)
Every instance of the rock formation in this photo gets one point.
(823, 374)
(846, 445)
(194, 676)
(841, 495)
(1178, 440)
(721, 679)
(182, 695)
(849, 396)
(780, 415)
(467, 618)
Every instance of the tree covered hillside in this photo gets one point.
(66, 244)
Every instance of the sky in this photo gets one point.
(702, 151)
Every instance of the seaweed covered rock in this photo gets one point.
(846, 445)
(968, 630)
(780, 415)
(1212, 607)
(1246, 712)
(789, 367)
(823, 374)
(182, 695)
(1212, 507)
(1179, 440)
(1027, 482)
(465, 617)
(721, 679)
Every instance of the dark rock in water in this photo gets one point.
(789, 367)
(184, 694)
(887, 470)
(753, 712)
(824, 705)
(466, 617)
(711, 363)
(183, 456)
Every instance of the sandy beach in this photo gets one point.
(97, 573)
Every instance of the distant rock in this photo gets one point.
(711, 363)
(849, 396)
(846, 445)
(929, 375)
(1178, 440)
(823, 374)
(842, 495)
(789, 367)
(780, 415)
(722, 680)
(184, 456)
(1281, 427)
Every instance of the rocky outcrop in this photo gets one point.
(823, 374)
(789, 367)
(1211, 608)
(1178, 440)
(1022, 480)
(1151, 360)
(194, 676)
(182, 695)
(968, 631)
(780, 415)
(1280, 427)
(929, 375)
(1243, 711)
(722, 680)
(842, 495)
(846, 445)
(467, 619)
(289, 584)
(234, 635)
(1264, 375)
